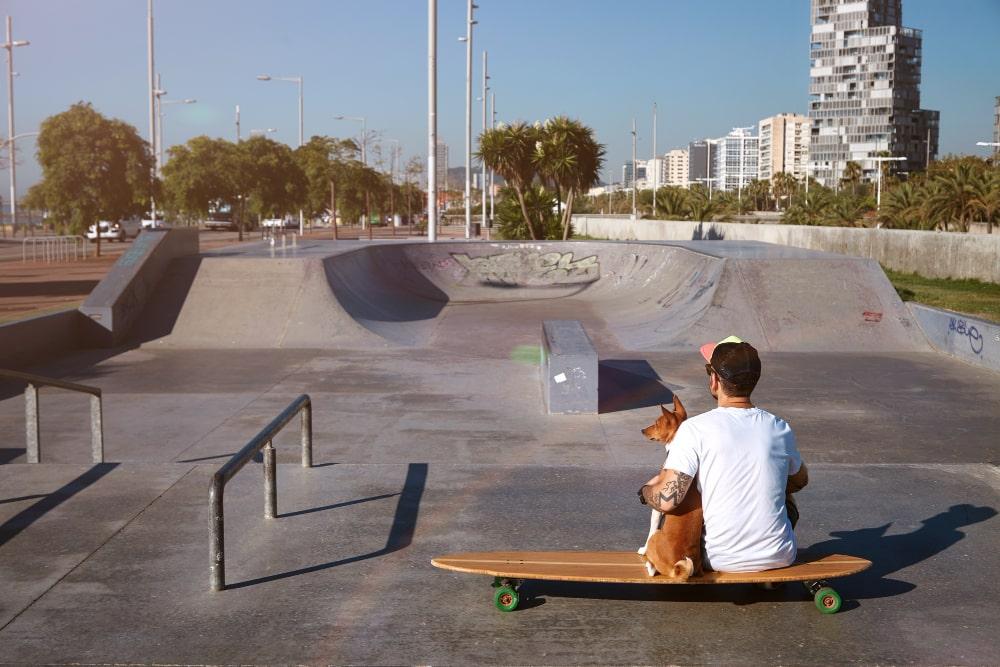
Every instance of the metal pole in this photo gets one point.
(708, 160)
(633, 170)
(493, 124)
(237, 123)
(96, 429)
(482, 180)
(432, 120)
(656, 168)
(468, 121)
(302, 219)
(270, 482)
(307, 436)
(32, 432)
(10, 45)
(159, 125)
(216, 534)
(152, 94)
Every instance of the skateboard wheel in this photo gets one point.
(505, 598)
(827, 600)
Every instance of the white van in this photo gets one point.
(115, 231)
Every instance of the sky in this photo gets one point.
(710, 65)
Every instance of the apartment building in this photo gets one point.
(783, 146)
(734, 159)
(675, 168)
(864, 92)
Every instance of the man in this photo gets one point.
(746, 464)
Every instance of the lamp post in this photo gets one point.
(364, 161)
(656, 166)
(297, 80)
(432, 203)
(878, 179)
(392, 184)
(10, 45)
(482, 178)
(160, 103)
(470, 8)
(633, 170)
(152, 104)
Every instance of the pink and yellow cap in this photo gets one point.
(708, 348)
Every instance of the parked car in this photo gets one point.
(115, 231)
(273, 223)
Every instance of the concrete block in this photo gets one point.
(569, 368)
(118, 300)
(971, 340)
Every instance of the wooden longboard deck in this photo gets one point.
(627, 567)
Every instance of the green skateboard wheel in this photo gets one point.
(827, 600)
(505, 598)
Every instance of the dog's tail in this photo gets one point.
(683, 569)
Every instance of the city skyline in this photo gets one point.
(97, 54)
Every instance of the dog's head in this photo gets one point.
(666, 425)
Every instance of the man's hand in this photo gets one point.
(666, 491)
(798, 481)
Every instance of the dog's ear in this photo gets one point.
(679, 408)
(664, 410)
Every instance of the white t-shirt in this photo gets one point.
(742, 458)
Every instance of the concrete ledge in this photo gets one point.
(931, 254)
(569, 368)
(969, 339)
(27, 342)
(118, 300)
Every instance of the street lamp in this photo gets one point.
(297, 80)
(470, 7)
(159, 92)
(482, 183)
(432, 128)
(878, 179)
(10, 45)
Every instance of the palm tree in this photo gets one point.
(757, 193)
(903, 207)
(852, 176)
(568, 157)
(782, 186)
(672, 202)
(509, 150)
(952, 195)
(986, 197)
(702, 208)
(846, 211)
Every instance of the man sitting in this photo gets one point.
(746, 464)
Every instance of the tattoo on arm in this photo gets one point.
(670, 494)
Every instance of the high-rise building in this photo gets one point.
(441, 166)
(734, 159)
(996, 127)
(697, 162)
(784, 146)
(675, 168)
(864, 92)
(639, 172)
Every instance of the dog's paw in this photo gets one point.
(650, 569)
(641, 550)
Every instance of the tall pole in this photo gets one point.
(10, 45)
(159, 125)
(633, 170)
(468, 120)
(302, 217)
(482, 179)
(493, 124)
(656, 167)
(432, 120)
(238, 139)
(927, 162)
(152, 93)
(708, 168)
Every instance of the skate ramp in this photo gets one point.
(489, 298)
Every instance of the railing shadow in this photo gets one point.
(29, 515)
(404, 524)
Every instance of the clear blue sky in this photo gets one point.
(709, 65)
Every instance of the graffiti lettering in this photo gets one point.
(531, 268)
(962, 328)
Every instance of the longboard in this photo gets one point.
(510, 568)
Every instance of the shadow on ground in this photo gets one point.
(626, 384)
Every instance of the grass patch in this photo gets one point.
(967, 296)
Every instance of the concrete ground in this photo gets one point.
(421, 452)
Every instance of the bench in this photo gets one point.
(569, 368)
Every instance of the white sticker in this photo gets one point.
(560, 378)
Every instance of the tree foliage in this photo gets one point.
(93, 168)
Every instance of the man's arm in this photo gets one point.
(666, 491)
(798, 481)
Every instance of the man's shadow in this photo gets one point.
(890, 554)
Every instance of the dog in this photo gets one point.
(673, 546)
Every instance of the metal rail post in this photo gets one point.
(31, 422)
(307, 435)
(96, 429)
(217, 533)
(270, 482)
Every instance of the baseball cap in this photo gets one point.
(733, 359)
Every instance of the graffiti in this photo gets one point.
(531, 268)
(962, 328)
(872, 316)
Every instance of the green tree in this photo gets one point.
(672, 202)
(541, 205)
(200, 174)
(509, 150)
(701, 207)
(810, 209)
(271, 181)
(986, 198)
(903, 207)
(852, 176)
(93, 168)
(952, 194)
(569, 158)
(323, 161)
(783, 186)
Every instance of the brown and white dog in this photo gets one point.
(673, 546)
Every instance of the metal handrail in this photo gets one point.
(261, 441)
(32, 431)
(54, 247)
